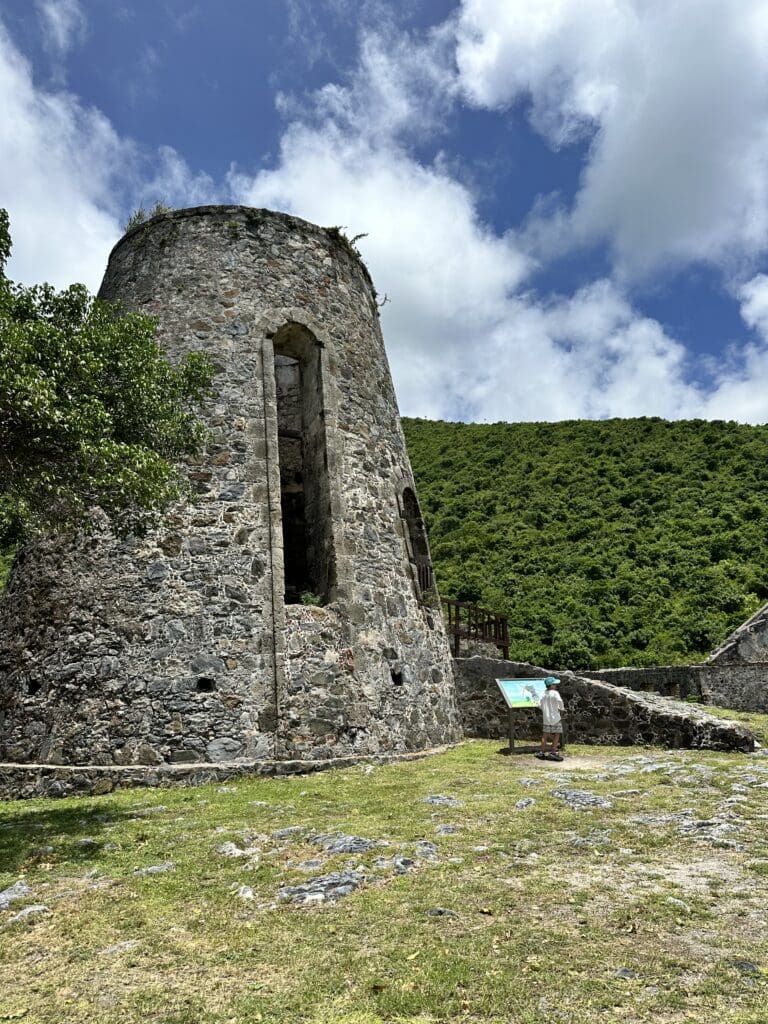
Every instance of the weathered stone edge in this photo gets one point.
(26, 781)
(232, 209)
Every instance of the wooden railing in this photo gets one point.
(469, 622)
(425, 576)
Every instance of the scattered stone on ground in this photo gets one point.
(245, 892)
(156, 869)
(595, 837)
(425, 850)
(673, 901)
(324, 888)
(529, 782)
(441, 912)
(446, 830)
(338, 842)
(709, 830)
(310, 865)
(147, 812)
(581, 799)
(625, 973)
(34, 911)
(41, 851)
(287, 833)
(403, 865)
(13, 894)
(120, 947)
(231, 850)
(522, 804)
(438, 800)
(745, 966)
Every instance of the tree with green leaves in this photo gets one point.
(92, 414)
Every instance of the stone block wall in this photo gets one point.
(678, 681)
(738, 685)
(596, 712)
(746, 645)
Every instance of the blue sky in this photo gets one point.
(566, 201)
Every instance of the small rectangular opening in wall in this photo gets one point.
(205, 685)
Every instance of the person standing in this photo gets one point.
(552, 722)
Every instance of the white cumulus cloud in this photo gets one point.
(68, 179)
(464, 340)
(673, 98)
(465, 336)
(57, 176)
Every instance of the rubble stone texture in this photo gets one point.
(746, 645)
(193, 644)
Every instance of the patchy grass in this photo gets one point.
(549, 902)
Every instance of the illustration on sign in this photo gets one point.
(522, 693)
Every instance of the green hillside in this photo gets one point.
(606, 543)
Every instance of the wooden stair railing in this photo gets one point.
(468, 622)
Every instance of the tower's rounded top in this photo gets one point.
(334, 235)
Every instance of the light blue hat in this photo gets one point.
(551, 681)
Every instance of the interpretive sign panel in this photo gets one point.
(522, 693)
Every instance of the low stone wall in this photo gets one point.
(743, 687)
(25, 781)
(596, 712)
(677, 681)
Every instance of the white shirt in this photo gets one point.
(551, 703)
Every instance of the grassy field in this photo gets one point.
(654, 908)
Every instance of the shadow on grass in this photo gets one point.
(27, 835)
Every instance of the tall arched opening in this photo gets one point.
(308, 557)
(418, 547)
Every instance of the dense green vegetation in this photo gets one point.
(607, 543)
(91, 412)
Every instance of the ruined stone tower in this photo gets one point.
(203, 641)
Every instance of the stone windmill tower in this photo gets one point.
(197, 643)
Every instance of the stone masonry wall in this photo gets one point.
(179, 647)
(741, 686)
(746, 645)
(678, 681)
(596, 712)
